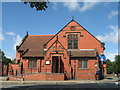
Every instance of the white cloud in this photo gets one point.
(11, 0)
(112, 14)
(54, 7)
(119, 36)
(110, 37)
(10, 33)
(88, 6)
(72, 5)
(10, 55)
(84, 0)
(111, 55)
(17, 40)
(75, 5)
(106, 4)
(1, 37)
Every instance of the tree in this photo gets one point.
(14, 61)
(6, 61)
(109, 66)
(1, 55)
(3, 58)
(113, 66)
(117, 63)
(38, 5)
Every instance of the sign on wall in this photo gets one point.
(102, 58)
(47, 62)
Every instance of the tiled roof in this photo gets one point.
(33, 45)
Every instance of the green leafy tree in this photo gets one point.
(114, 66)
(38, 5)
(1, 55)
(14, 61)
(109, 66)
(4, 59)
(117, 63)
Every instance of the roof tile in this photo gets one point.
(34, 44)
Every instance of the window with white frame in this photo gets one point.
(83, 63)
(32, 63)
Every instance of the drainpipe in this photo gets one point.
(102, 70)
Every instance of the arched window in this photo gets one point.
(73, 41)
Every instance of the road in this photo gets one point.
(106, 84)
(81, 86)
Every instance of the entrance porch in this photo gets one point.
(57, 64)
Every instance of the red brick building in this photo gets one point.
(3, 69)
(73, 53)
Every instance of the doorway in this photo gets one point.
(57, 65)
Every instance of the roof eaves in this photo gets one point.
(18, 46)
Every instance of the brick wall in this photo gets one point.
(3, 69)
(14, 78)
(86, 42)
(14, 69)
(39, 76)
(88, 73)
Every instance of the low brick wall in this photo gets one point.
(14, 78)
(86, 76)
(54, 76)
(44, 76)
(36, 76)
(40, 76)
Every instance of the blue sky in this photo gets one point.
(99, 18)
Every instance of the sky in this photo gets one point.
(99, 18)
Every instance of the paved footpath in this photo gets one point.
(7, 84)
(106, 83)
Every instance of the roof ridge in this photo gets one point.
(40, 35)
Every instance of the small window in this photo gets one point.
(72, 28)
(83, 63)
(33, 63)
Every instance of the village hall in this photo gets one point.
(72, 53)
